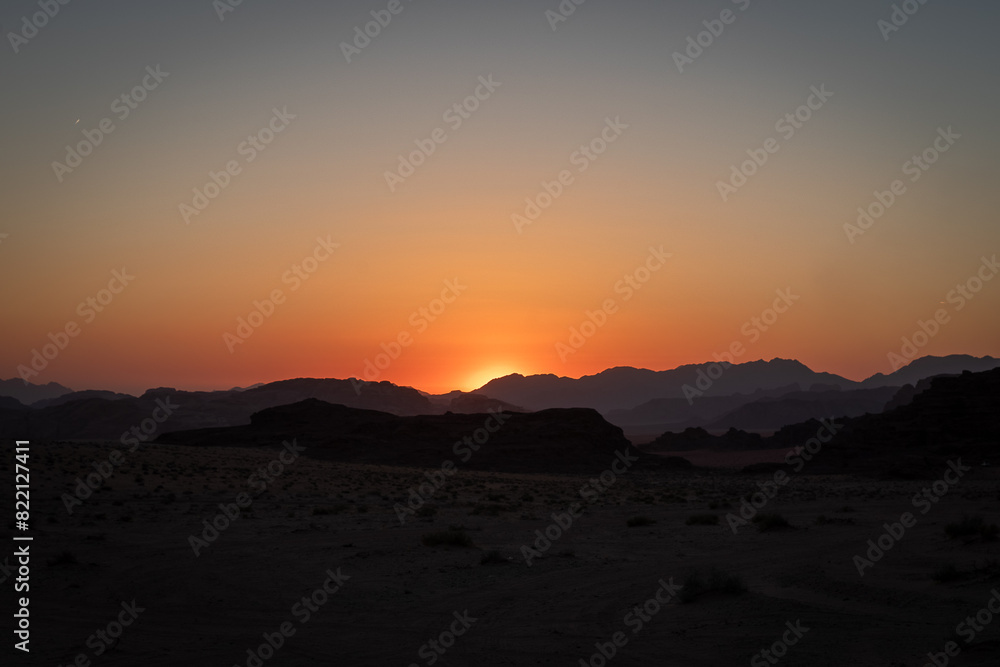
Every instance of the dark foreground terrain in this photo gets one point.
(133, 540)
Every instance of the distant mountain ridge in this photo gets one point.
(758, 395)
(27, 393)
(624, 388)
(925, 367)
(106, 416)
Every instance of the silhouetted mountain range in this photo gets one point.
(11, 403)
(769, 414)
(926, 367)
(105, 415)
(79, 396)
(956, 416)
(27, 393)
(624, 388)
(760, 396)
(763, 410)
(953, 416)
(562, 440)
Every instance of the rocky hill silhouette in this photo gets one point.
(575, 440)
(955, 416)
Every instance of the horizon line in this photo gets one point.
(473, 390)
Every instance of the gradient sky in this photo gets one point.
(656, 185)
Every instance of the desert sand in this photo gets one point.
(130, 541)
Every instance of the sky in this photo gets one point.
(206, 195)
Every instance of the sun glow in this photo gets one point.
(483, 375)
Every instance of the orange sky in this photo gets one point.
(654, 186)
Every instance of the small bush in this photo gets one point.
(972, 526)
(946, 573)
(692, 587)
(492, 557)
(730, 584)
(456, 538)
(702, 520)
(717, 581)
(766, 522)
(639, 521)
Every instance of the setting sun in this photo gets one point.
(480, 377)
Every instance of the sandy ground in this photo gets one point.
(130, 541)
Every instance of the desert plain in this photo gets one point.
(450, 583)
